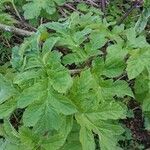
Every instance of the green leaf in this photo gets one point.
(142, 21)
(60, 2)
(146, 103)
(72, 36)
(131, 37)
(80, 36)
(108, 132)
(49, 44)
(72, 141)
(89, 90)
(57, 26)
(61, 110)
(109, 127)
(28, 139)
(84, 92)
(98, 40)
(30, 95)
(133, 68)
(58, 140)
(43, 103)
(138, 61)
(147, 123)
(54, 142)
(142, 86)
(34, 111)
(51, 119)
(110, 68)
(10, 132)
(109, 135)
(7, 19)
(9, 146)
(7, 108)
(73, 146)
(108, 142)
(62, 104)
(135, 41)
(6, 89)
(108, 110)
(87, 139)
(114, 64)
(121, 89)
(59, 78)
(33, 8)
(20, 78)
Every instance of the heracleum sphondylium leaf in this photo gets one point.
(33, 8)
(138, 58)
(6, 89)
(86, 138)
(62, 110)
(97, 110)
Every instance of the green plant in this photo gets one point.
(50, 96)
(65, 87)
(143, 19)
(33, 8)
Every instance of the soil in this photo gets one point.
(136, 125)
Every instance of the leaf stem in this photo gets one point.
(14, 6)
(103, 5)
(135, 5)
(15, 30)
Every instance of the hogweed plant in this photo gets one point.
(68, 83)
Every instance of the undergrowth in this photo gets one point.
(68, 85)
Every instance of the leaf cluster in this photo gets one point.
(69, 82)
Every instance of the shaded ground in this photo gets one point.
(136, 125)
